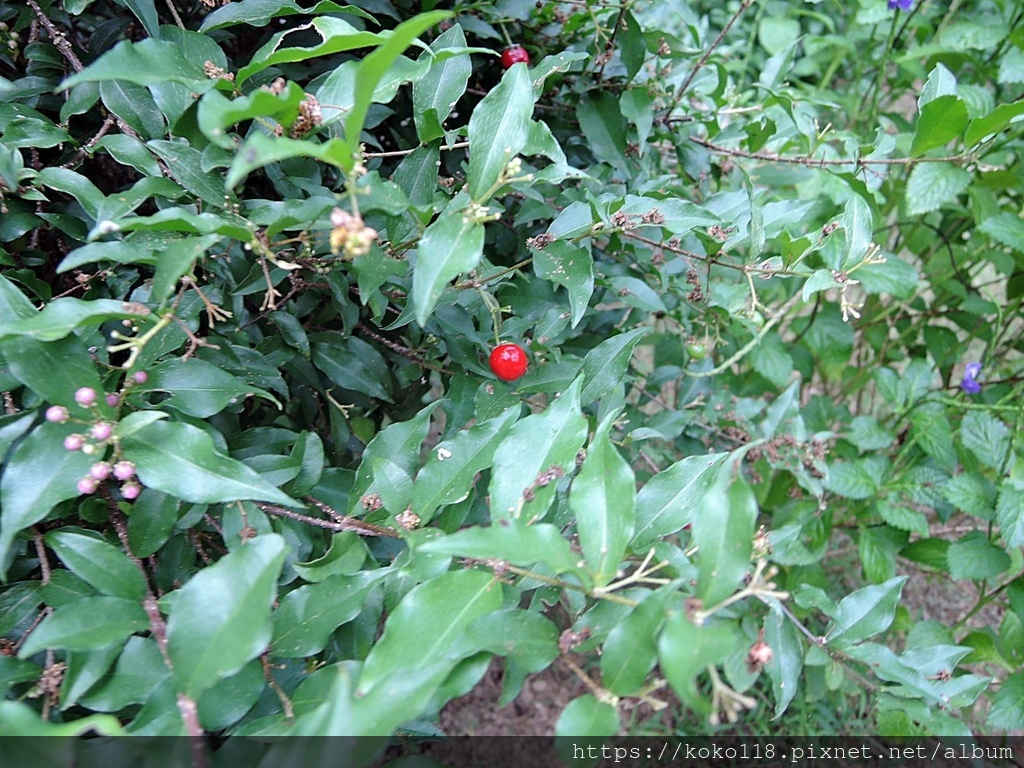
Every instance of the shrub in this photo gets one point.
(765, 263)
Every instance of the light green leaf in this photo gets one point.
(258, 13)
(586, 716)
(449, 472)
(670, 499)
(787, 660)
(602, 501)
(940, 121)
(498, 130)
(148, 62)
(866, 612)
(220, 619)
(451, 246)
(540, 444)
(932, 185)
(198, 388)
(570, 266)
(443, 84)
(685, 650)
(606, 364)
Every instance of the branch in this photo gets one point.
(344, 523)
(810, 162)
(707, 54)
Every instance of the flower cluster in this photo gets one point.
(98, 438)
(970, 384)
(350, 235)
(903, 5)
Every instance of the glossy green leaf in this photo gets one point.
(543, 443)
(685, 650)
(787, 657)
(444, 82)
(451, 246)
(258, 13)
(570, 266)
(38, 475)
(449, 472)
(18, 719)
(92, 622)
(198, 388)
(602, 501)
(670, 499)
(148, 62)
(99, 563)
(140, 669)
(586, 716)
(181, 460)
(997, 121)
(630, 651)
(515, 543)
(865, 612)
(498, 130)
(61, 317)
(84, 670)
(723, 531)
(220, 619)
(602, 124)
(351, 364)
(606, 365)
(152, 521)
(940, 121)
(426, 625)
(306, 617)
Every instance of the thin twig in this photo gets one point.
(707, 54)
(811, 162)
(345, 524)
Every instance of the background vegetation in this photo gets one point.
(766, 260)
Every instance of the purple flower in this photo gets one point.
(903, 5)
(970, 383)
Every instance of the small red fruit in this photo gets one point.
(514, 55)
(508, 361)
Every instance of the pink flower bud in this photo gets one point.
(131, 491)
(85, 396)
(100, 470)
(140, 377)
(101, 431)
(88, 484)
(74, 442)
(57, 414)
(113, 400)
(124, 470)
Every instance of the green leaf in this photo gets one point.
(198, 388)
(354, 365)
(140, 670)
(858, 225)
(18, 719)
(307, 616)
(724, 532)
(181, 460)
(670, 499)
(787, 660)
(1005, 228)
(586, 716)
(851, 480)
(258, 13)
(632, 47)
(426, 625)
(630, 651)
(449, 472)
(931, 429)
(102, 565)
(986, 437)
(602, 501)
(932, 185)
(220, 619)
(451, 246)
(531, 640)
(940, 82)
(40, 474)
(149, 62)
(186, 164)
(1007, 712)
(498, 130)
(84, 670)
(61, 317)
(145, 12)
(686, 649)
(1010, 512)
(902, 517)
(217, 112)
(973, 556)
(152, 521)
(537, 445)
(515, 543)
(399, 443)
(997, 121)
(443, 84)
(866, 612)
(570, 266)
(940, 121)
(134, 105)
(605, 365)
(91, 622)
(373, 67)
(603, 126)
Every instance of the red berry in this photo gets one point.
(508, 361)
(514, 55)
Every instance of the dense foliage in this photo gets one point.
(766, 262)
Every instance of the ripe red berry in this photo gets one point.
(508, 361)
(514, 55)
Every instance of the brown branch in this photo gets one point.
(345, 523)
(707, 54)
(811, 162)
(58, 38)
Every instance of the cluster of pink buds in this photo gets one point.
(99, 436)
